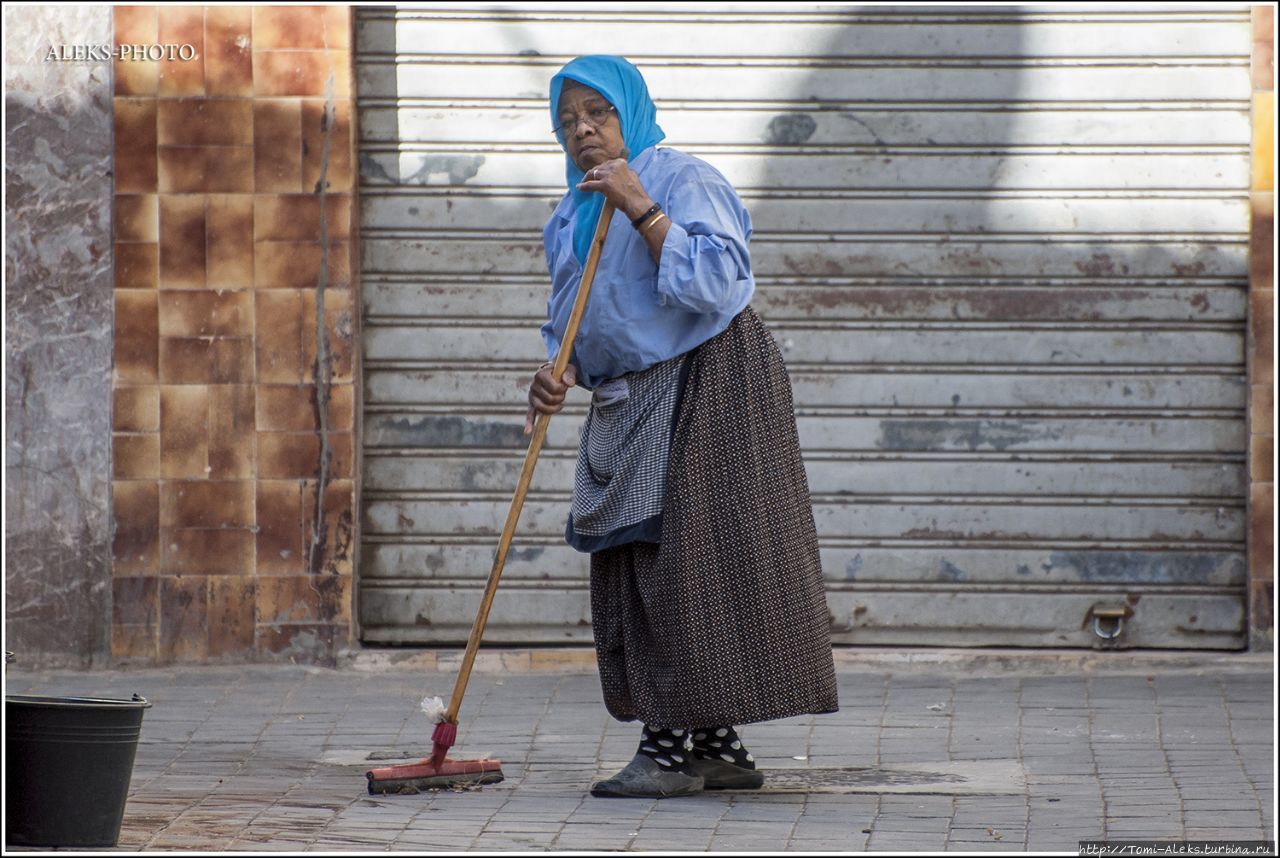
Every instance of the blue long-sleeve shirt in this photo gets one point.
(640, 312)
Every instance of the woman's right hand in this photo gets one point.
(546, 395)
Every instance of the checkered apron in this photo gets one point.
(724, 621)
(621, 477)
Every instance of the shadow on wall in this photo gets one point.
(1004, 256)
(965, 247)
(58, 324)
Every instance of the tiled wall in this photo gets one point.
(233, 236)
(1262, 309)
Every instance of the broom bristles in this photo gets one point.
(446, 733)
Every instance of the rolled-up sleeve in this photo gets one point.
(552, 341)
(705, 266)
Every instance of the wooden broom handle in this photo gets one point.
(530, 461)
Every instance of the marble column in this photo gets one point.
(58, 265)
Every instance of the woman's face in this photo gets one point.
(587, 146)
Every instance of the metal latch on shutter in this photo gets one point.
(1108, 620)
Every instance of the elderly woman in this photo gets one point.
(707, 602)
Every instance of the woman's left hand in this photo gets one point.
(620, 186)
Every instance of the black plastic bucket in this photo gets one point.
(67, 768)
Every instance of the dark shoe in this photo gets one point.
(644, 778)
(717, 774)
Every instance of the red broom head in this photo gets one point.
(445, 735)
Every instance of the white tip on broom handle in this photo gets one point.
(530, 461)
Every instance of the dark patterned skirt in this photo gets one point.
(725, 621)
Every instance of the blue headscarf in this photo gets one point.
(619, 82)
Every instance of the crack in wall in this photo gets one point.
(323, 373)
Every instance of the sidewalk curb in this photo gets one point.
(851, 659)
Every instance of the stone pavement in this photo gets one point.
(931, 750)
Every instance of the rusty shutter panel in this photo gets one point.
(1004, 251)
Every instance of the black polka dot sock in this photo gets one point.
(721, 743)
(671, 748)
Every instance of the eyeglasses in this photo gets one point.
(595, 117)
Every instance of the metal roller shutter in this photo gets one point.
(1003, 250)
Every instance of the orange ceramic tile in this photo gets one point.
(220, 360)
(182, 241)
(1261, 341)
(1262, 62)
(206, 551)
(205, 313)
(182, 25)
(316, 125)
(342, 408)
(339, 332)
(135, 601)
(135, 642)
(338, 24)
(134, 121)
(276, 27)
(205, 169)
(1261, 530)
(313, 643)
(292, 408)
(184, 618)
(341, 465)
(340, 275)
(303, 599)
(232, 615)
(286, 408)
(231, 432)
(1262, 459)
(135, 456)
(1262, 596)
(278, 337)
(277, 129)
(297, 217)
(288, 455)
(229, 241)
(137, 338)
(135, 409)
(335, 558)
(279, 527)
(296, 455)
(228, 42)
(184, 431)
(296, 265)
(1262, 173)
(1262, 65)
(137, 218)
(303, 73)
(1261, 409)
(1262, 262)
(137, 266)
(135, 26)
(136, 76)
(187, 504)
(205, 122)
(1263, 21)
(135, 514)
(286, 264)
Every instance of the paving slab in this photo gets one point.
(931, 751)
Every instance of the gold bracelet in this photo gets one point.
(653, 221)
